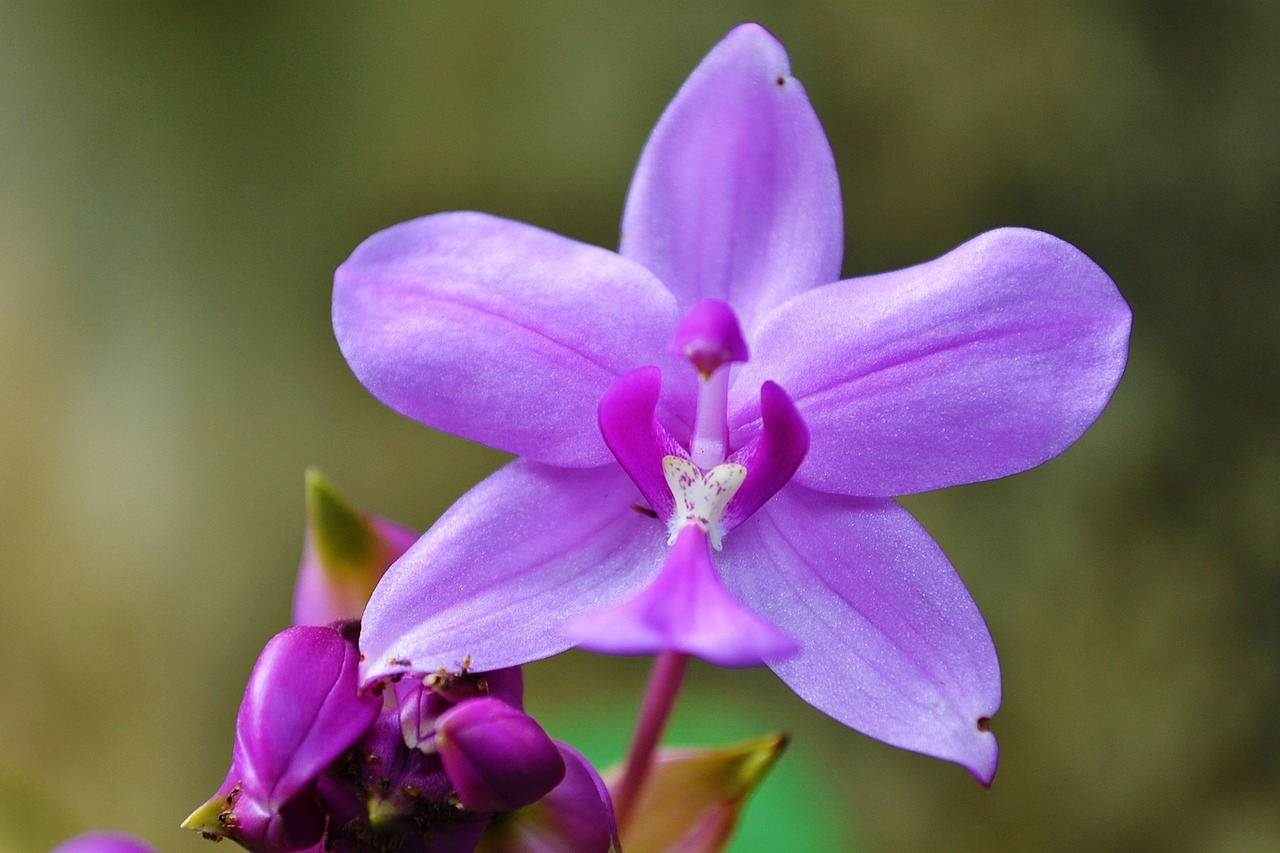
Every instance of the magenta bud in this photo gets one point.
(497, 758)
(709, 336)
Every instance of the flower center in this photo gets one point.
(707, 485)
(710, 338)
(701, 496)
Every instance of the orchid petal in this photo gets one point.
(514, 559)
(498, 332)
(636, 438)
(687, 608)
(982, 363)
(301, 710)
(771, 457)
(891, 642)
(736, 195)
(577, 815)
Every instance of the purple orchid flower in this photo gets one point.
(723, 484)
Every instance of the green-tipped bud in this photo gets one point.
(345, 555)
(693, 798)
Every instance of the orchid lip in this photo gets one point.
(701, 496)
(688, 608)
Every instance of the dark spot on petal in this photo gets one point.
(644, 510)
(984, 724)
(781, 81)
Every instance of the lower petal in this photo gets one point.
(892, 644)
(688, 609)
(494, 581)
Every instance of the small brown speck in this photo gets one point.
(984, 724)
(781, 81)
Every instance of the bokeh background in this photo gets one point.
(179, 180)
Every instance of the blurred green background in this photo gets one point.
(179, 180)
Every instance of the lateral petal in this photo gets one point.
(736, 195)
(497, 331)
(891, 642)
(637, 438)
(496, 578)
(983, 363)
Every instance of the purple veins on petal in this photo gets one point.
(687, 608)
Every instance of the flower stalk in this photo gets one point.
(659, 700)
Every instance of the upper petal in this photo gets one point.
(736, 195)
(501, 572)
(982, 363)
(891, 642)
(497, 331)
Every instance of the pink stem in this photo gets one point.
(659, 699)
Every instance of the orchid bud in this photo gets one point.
(301, 711)
(244, 815)
(693, 798)
(422, 701)
(577, 815)
(345, 554)
(497, 757)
